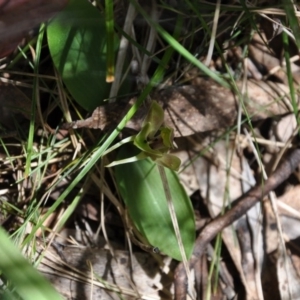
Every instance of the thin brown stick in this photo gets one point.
(239, 207)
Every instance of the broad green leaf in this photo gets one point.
(27, 281)
(142, 190)
(77, 43)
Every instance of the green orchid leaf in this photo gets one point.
(141, 187)
(77, 43)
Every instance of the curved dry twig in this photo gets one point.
(239, 207)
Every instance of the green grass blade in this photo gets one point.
(289, 72)
(289, 8)
(35, 99)
(181, 49)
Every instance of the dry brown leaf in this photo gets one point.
(201, 107)
(19, 16)
(145, 280)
